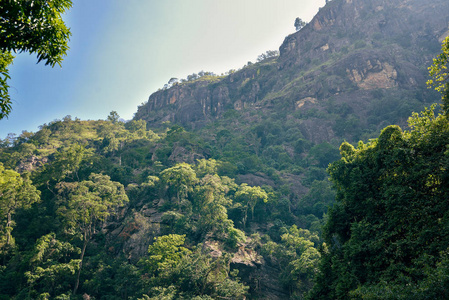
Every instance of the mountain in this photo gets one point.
(357, 67)
(352, 56)
(218, 186)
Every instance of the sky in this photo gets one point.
(121, 51)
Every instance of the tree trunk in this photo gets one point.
(252, 211)
(245, 217)
(81, 264)
(8, 230)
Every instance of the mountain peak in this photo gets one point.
(349, 49)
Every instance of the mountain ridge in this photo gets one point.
(232, 205)
(326, 59)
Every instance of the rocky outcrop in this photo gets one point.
(374, 76)
(349, 45)
(261, 277)
(31, 163)
(132, 233)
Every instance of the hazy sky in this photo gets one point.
(121, 51)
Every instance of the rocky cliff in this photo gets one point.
(350, 49)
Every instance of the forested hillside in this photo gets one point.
(219, 188)
(356, 68)
(93, 196)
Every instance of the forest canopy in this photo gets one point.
(385, 235)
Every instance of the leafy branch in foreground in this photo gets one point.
(31, 26)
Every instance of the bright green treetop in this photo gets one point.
(179, 180)
(249, 196)
(15, 192)
(165, 252)
(440, 75)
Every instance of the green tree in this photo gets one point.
(299, 24)
(65, 166)
(207, 166)
(323, 154)
(137, 127)
(210, 203)
(390, 212)
(15, 192)
(113, 117)
(179, 180)
(196, 274)
(317, 199)
(31, 26)
(440, 75)
(85, 204)
(52, 268)
(165, 253)
(199, 276)
(297, 257)
(249, 196)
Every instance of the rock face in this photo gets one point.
(31, 163)
(349, 47)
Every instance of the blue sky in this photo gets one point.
(121, 51)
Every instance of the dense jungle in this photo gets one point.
(318, 172)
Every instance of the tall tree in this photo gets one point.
(179, 180)
(85, 204)
(31, 26)
(249, 196)
(210, 201)
(113, 117)
(15, 192)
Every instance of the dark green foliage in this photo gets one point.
(391, 214)
(52, 266)
(16, 192)
(34, 27)
(194, 272)
(316, 201)
(297, 257)
(299, 24)
(323, 154)
(5, 101)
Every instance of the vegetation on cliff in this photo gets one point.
(233, 205)
(34, 27)
(119, 213)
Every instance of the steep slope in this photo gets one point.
(357, 67)
(353, 52)
(254, 191)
